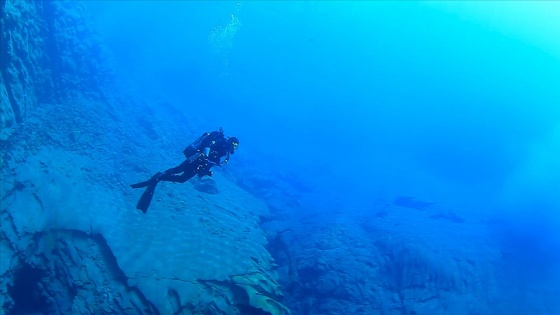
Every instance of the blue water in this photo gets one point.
(449, 102)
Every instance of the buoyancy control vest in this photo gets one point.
(202, 142)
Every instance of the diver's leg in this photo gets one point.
(168, 175)
(178, 169)
(175, 170)
(177, 178)
(157, 177)
(188, 168)
(154, 178)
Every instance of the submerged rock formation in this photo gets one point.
(72, 242)
(389, 259)
(48, 52)
(191, 251)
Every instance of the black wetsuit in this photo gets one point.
(198, 163)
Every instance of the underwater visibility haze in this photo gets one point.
(462, 93)
(394, 157)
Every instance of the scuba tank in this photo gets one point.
(202, 142)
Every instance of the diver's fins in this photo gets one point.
(146, 198)
(148, 194)
(148, 182)
(140, 184)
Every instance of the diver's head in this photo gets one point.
(233, 143)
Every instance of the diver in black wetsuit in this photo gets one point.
(201, 155)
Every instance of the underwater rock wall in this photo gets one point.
(71, 241)
(48, 52)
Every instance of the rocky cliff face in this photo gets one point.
(48, 52)
(71, 240)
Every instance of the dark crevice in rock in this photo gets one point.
(112, 265)
(38, 201)
(175, 300)
(7, 218)
(109, 259)
(279, 248)
(50, 277)
(26, 291)
(12, 99)
(17, 186)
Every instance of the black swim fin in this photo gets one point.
(141, 184)
(146, 198)
(148, 182)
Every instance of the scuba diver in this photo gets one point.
(201, 155)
